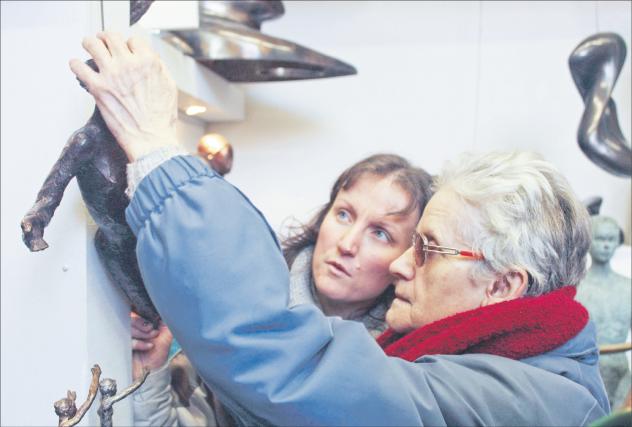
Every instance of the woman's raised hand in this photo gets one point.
(133, 90)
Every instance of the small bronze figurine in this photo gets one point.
(107, 387)
(66, 409)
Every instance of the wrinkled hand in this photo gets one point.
(150, 347)
(133, 90)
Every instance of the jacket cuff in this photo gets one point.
(161, 183)
(137, 170)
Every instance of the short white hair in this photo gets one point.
(525, 215)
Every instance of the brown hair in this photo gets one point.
(414, 181)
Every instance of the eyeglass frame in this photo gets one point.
(421, 249)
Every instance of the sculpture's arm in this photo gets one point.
(92, 393)
(52, 191)
(131, 388)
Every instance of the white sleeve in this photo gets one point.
(156, 404)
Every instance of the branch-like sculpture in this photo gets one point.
(595, 65)
(107, 387)
(66, 408)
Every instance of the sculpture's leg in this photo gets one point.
(117, 252)
(52, 191)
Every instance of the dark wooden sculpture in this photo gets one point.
(93, 156)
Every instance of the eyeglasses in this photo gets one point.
(421, 249)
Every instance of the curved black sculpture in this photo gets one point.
(94, 157)
(595, 66)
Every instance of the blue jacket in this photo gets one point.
(216, 274)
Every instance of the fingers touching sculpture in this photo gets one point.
(66, 409)
(595, 65)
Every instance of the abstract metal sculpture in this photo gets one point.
(93, 156)
(66, 409)
(229, 43)
(595, 65)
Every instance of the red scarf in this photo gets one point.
(516, 329)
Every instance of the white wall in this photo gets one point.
(60, 314)
(434, 79)
(44, 316)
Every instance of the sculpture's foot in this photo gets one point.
(32, 235)
(149, 314)
(37, 245)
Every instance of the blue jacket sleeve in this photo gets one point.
(215, 272)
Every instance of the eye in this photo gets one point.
(382, 235)
(343, 215)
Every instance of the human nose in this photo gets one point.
(403, 268)
(348, 242)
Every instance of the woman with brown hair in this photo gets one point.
(338, 261)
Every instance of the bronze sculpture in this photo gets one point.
(66, 409)
(107, 387)
(606, 294)
(93, 156)
(595, 65)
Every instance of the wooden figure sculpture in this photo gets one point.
(66, 409)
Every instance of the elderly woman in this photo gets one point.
(485, 329)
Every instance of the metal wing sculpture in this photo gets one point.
(230, 43)
(595, 65)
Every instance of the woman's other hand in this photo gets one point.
(133, 90)
(150, 347)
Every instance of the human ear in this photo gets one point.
(506, 287)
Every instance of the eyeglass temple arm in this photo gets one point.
(451, 251)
